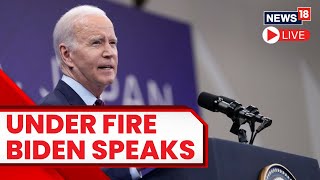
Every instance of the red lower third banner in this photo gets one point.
(50, 142)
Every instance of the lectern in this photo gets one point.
(232, 161)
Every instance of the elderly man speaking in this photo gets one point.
(85, 44)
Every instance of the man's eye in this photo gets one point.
(96, 42)
(113, 42)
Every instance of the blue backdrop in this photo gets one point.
(155, 55)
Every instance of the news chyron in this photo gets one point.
(272, 34)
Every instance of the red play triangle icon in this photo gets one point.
(271, 35)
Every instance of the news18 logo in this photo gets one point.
(287, 17)
(272, 35)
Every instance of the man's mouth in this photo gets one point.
(106, 67)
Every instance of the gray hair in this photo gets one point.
(64, 29)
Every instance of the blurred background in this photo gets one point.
(226, 53)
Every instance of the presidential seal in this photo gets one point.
(276, 172)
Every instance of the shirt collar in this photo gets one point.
(85, 95)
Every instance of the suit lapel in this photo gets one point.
(71, 96)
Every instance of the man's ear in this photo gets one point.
(65, 54)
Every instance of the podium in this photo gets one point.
(230, 160)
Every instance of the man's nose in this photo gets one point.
(109, 51)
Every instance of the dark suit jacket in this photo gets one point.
(64, 95)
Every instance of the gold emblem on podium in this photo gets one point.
(276, 172)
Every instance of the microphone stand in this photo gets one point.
(250, 115)
(240, 115)
(238, 119)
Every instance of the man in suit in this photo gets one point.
(85, 44)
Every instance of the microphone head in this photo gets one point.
(207, 101)
(268, 123)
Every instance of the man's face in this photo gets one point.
(95, 55)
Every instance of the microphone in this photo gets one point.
(228, 106)
(237, 113)
(231, 108)
(214, 103)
